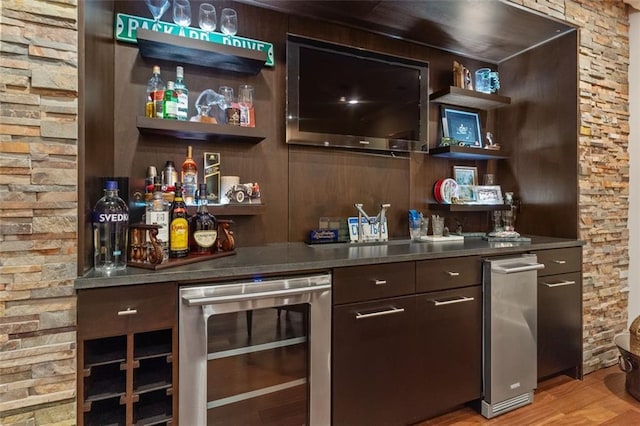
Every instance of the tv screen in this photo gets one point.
(346, 97)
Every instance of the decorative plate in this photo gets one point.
(448, 190)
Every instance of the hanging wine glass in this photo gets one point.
(157, 9)
(182, 14)
(207, 17)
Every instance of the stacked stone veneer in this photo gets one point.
(38, 195)
(38, 210)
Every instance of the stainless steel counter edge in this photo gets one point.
(285, 258)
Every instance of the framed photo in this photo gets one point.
(491, 194)
(465, 175)
(462, 126)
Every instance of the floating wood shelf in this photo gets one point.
(469, 98)
(198, 131)
(466, 153)
(469, 207)
(158, 45)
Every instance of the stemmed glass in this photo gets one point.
(182, 14)
(157, 9)
(207, 17)
(229, 21)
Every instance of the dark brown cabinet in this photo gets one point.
(126, 339)
(374, 362)
(410, 346)
(560, 312)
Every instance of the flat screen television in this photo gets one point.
(340, 96)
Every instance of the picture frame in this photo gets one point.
(467, 179)
(462, 126)
(489, 194)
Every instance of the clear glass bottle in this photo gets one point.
(170, 111)
(203, 226)
(155, 94)
(178, 226)
(110, 230)
(183, 95)
(189, 177)
(157, 213)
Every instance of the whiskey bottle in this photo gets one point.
(170, 111)
(155, 94)
(203, 226)
(158, 214)
(178, 226)
(183, 95)
(189, 177)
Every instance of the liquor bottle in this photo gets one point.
(183, 95)
(158, 214)
(178, 226)
(189, 177)
(110, 230)
(203, 226)
(170, 111)
(155, 94)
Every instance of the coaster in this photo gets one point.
(449, 238)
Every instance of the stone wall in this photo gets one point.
(38, 197)
(38, 210)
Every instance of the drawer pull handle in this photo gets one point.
(560, 262)
(379, 282)
(393, 310)
(128, 311)
(453, 274)
(560, 284)
(451, 302)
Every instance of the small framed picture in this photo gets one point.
(462, 126)
(465, 175)
(491, 194)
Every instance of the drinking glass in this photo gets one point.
(157, 9)
(245, 96)
(227, 94)
(437, 223)
(229, 21)
(207, 17)
(182, 14)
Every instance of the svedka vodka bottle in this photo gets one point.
(110, 230)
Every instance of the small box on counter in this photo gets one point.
(212, 176)
(318, 236)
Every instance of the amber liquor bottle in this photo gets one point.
(178, 226)
(189, 177)
(203, 226)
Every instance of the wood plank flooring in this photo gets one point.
(599, 399)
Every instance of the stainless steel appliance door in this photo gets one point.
(510, 327)
(225, 327)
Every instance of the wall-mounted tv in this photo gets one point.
(340, 96)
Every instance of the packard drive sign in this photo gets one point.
(127, 25)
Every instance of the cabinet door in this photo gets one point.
(373, 357)
(559, 324)
(450, 349)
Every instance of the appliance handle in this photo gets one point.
(560, 284)
(198, 301)
(522, 268)
(461, 299)
(393, 310)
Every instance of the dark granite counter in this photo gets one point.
(286, 258)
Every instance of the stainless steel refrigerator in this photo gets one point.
(509, 333)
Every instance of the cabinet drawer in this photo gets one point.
(360, 283)
(559, 261)
(119, 310)
(442, 274)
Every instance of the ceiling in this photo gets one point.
(488, 30)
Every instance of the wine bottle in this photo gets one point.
(179, 226)
(189, 177)
(203, 227)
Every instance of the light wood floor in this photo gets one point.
(599, 399)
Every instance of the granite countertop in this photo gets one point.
(284, 258)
